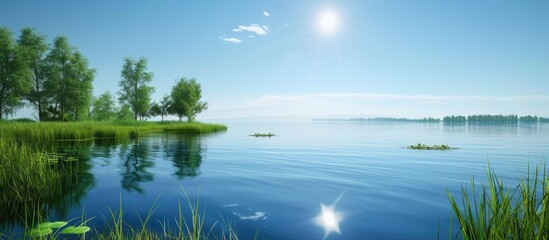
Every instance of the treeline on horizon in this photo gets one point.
(56, 80)
(486, 118)
(501, 119)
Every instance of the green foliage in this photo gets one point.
(27, 175)
(186, 95)
(23, 120)
(57, 83)
(104, 107)
(34, 49)
(69, 81)
(13, 74)
(162, 108)
(125, 113)
(80, 86)
(192, 229)
(500, 212)
(134, 89)
(46, 228)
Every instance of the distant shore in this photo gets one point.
(476, 119)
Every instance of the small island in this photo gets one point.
(421, 146)
(262, 135)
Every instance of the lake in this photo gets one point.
(276, 185)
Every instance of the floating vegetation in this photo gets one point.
(421, 146)
(46, 228)
(263, 135)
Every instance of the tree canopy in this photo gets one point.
(104, 107)
(186, 95)
(161, 109)
(34, 49)
(69, 81)
(13, 81)
(135, 90)
(55, 79)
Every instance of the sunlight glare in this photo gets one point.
(328, 22)
(328, 219)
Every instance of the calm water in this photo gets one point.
(277, 184)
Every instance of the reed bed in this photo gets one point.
(498, 211)
(24, 173)
(27, 176)
(39, 135)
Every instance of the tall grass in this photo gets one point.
(193, 230)
(41, 134)
(27, 180)
(498, 211)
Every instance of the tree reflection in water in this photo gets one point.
(185, 151)
(135, 160)
(135, 165)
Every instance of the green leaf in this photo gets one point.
(68, 230)
(44, 225)
(75, 230)
(40, 232)
(58, 224)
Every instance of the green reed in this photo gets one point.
(41, 134)
(118, 229)
(27, 176)
(498, 211)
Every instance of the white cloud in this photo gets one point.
(255, 28)
(231, 40)
(266, 14)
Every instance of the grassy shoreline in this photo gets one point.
(40, 134)
(27, 176)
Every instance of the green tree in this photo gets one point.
(13, 75)
(186, 95)
(34, 49)
(134, 89)
(125, 113)
(58, 82)
(69, 81)
(104, 107)
(80, 86)
(161, 109)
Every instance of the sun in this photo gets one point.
(328, 22)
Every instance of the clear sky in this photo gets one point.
(273, 58)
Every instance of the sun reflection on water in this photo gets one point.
(329, 218)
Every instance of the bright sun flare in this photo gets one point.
(328, 219)
(327, 22)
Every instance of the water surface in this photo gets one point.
(276, 185)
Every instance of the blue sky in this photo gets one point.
(269, 58)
